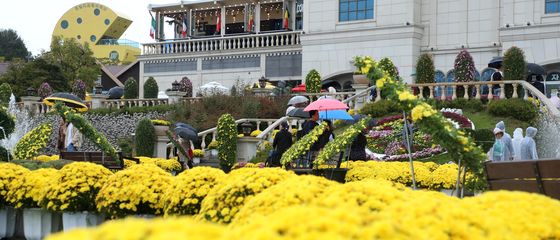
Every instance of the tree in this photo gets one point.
(5, 94)
(151, 88)
(145, 136)
(130, 88)
(425, 69)
(313, 82)
(464, 67)
(12, 46)
(74, 59)
(22, 75)
(514, 65)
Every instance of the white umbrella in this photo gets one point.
(297, 99)
(213, 88)
(162, 95)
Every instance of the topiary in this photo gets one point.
(425, 69)
(130, 88)
(79, 89)
(145, 138)
(514, 67)
(5, 93)
(464, 70)
(387, 65)
(313, 82)
(151, 88)
(186, 86)
(45, 90)
(227, 141)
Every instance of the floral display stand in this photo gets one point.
(7, 222)
(360, 79)
(71, 220)
(37, 223)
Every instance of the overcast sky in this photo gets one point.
(34, 20)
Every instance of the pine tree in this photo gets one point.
(514, 65)
(130, 89)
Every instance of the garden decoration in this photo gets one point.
(227, 141)
(341, 142)
(86, 129)
(33, 141)
(458, 144)
(303, 145)
(70, 100)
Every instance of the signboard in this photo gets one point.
(553, 76)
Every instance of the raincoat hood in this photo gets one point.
(531, 132)
(501, 125)
(518, 133)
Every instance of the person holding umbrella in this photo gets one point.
(282, 142)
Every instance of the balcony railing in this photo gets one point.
(252, 41)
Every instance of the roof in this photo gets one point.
(4, 67)
(115, 69)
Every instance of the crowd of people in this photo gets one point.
(519, 148)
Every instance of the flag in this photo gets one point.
(286, 19)
(251, 22)
(153, 28)
(218, 22)
(184, 20)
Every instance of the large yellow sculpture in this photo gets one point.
(101, 27)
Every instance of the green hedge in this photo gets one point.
(34, 164)
(164, 108)
(151, 88)
(380, 108)
(145, 138)
(515, 107)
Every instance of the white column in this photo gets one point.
(223, 21)
(306, 16)
(263, 64)
(141, 80)
(257, 17)
(293, 14)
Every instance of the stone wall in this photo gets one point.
(113, 126)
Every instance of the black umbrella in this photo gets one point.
(496, 62)
(68, 99)
(186, 133)
(535, 69)
(184, 125)
(299, 113)
(116, 93)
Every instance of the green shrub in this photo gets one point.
(313, 82)
(6, 122)
(387, 65)
(126, 145)
(227, 142)
(380, 108)
(474, 105)
(484, 138)
(251, 109)
(34, 164)
(130, 88)
(151, 88)
(514, 107)
(425, 69)
(145, 138)
(5, 93)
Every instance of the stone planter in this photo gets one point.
(160, 130)
(7, 222)
(37, 223)
(71, 220)
(360, 79)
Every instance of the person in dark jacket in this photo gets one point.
(327, 135)
(282, 142)
(358, 147)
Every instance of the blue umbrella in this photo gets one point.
(335, 114)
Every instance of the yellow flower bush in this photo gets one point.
(165, 164)
(188, 189)
(128, 163)
(159, 122)
(198, 153)
(226, 199)
(444, 177)
(341, 142)
(136, 190)
(212, 145)
(9, 173)
(256, 133)
(406, 96)
(32, 142)
(46, 158)
(422, 111)
(142, 229)
(29, 190)
(75, 186)
(293, 191)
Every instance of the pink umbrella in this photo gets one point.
(326, 104)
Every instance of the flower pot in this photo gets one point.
(196, 160)
(71, 220)
(160, 130)
(37, 223)
(7, 222)
(360, 79)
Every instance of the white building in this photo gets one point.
(326, 34)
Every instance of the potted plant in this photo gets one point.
(9, 172)
(74, 194)
(26, 193)
(197, 155)
(363, 66)
(213, 147)
(161, 126)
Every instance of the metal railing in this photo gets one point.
(265, 40)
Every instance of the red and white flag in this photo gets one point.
(184, 20)
(218, 22)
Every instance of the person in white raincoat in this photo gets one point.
(517, 138)
(508, 151)
(528, 145)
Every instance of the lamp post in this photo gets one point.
(175, 86)
(262, 82)
(98, 89)
(31, 91)
(246, 127)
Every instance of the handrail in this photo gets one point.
(360, 94)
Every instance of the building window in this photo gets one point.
(552, 6)
(439, 78)
(64, 24)
(352, 10)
